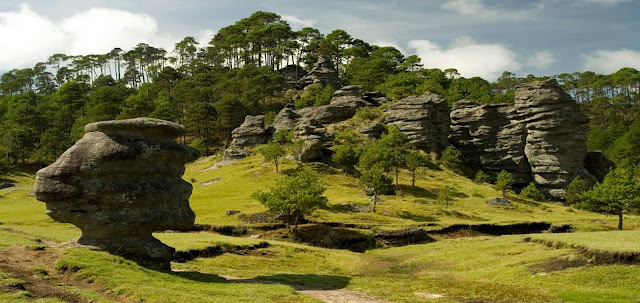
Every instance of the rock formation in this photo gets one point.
(556, 135)
(314, 136)
(424, 119)
(323, 72)
(250, 133)
(286, 119)
(541, 138)
(343, 106)
(491, 137)
(119, 183)
(376, 98)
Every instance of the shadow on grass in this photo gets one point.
(417, 218)
(461, 215)
(297, 281)
(517, 199)
(418, 192)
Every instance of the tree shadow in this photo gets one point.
(461, 215)
(417, 218)
(524, 201)
(297, 281)
(418, 192)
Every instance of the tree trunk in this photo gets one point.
(396, 169)
(375, 201)
(413, 178)
(276, 160)
(620, 221)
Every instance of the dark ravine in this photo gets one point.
(505, 229)
(213, 251)
(595, 255)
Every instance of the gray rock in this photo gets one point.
(349, 91)
(598, 165)
(234, 154)
(4, 185)
(499, 201)
(229, 213)
(491, 137)
(556, 135)
(286, 119)
(340, 109)
(119, 183)
(424, 119)
(323, 72)
(373, 130)
(250, 133)
(314, 135)
(376, 98)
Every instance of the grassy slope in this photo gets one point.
(498, 268)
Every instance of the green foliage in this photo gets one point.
(347, 149)
(452, 159)
(446, 194)
(481, 177)
(415, 159)
(617, 194)
(368, 113)
(575, 191)
(272, 151)
(299, 194)
(504, 181)
(375, 181)
(283, 136)
(372, 70)
(315, 95)
(531, 192)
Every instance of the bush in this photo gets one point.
(504, 182)
(283, 136)
(315, 95)
(452, 159)
(369, 113)
(531, 192)
(575, 191)
(481, 177)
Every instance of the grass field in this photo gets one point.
(487, 269)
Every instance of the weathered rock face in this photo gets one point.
(286, 119)
(556, 135)
(491, 138)
(424, 119)
(314, 136)
(541, 138)
(119, 183)
(323, 72)
(349, 91)
(373, 130)
(376, 98)
(250, 133)
(340, 109)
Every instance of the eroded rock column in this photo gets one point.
(120, 183)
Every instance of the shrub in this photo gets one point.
(452, 158)
(531, 192)
(369, 113)
(504, 182)
(481, 177)
(575, 191)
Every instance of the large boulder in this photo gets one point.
(250, 133)
(286, 119)
(323, 72)
(556, 135)
(314, 135)
(120, 183)
(491, 137)
(342, 107)
(424, 119)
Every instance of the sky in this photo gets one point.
(477, 37)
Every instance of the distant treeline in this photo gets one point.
(211, 88)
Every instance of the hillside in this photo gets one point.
(516, 268)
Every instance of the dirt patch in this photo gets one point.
(497, 230)
(557, 264)
(213, 181)
(35, 266)
(218, 165)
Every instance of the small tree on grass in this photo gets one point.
(481, 177)
(617, 194)
(272, 151)
(347, 150)
(531, 192)
(375, 181)
(298, 194)
(396, 146)
(452, 159)
(504, 181)
(445, 195)
(414, 160)
(575, 191)
(296, 148)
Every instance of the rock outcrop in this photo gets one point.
(376, 98)
(540, 138)
(424, 119)
(323, 72)
(119, 183)
(342, 107)
(491, 137)
(556, 135)
(250, 133)
(286, 119)
(314, 135)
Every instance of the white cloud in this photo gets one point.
(468, 57)
(609, 61)
(27, 37)
(295, 21)
(541, 60)
(478, 9)
(605, 2)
